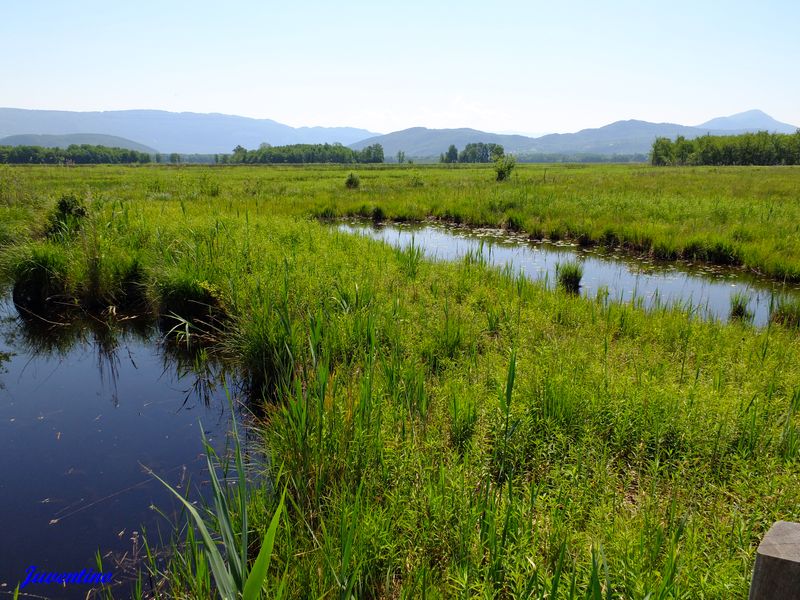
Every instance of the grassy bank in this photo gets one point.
(729, 215)
(449, 430)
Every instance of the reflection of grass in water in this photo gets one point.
(206, 373)
(4, 357)
(60, 332)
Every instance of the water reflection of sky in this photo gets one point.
(705, 289)
(83, 415)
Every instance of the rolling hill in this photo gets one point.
(188, 133)
(63, 141)
(621, 137)
(195, 133)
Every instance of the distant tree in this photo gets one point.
(239, 154)
(304, 153)
(401, 157)
(661, 154)
(371, 154)
(174, 158)
(682, 150)
(74, 154)
(452, 154)
(480, 153)
(761, 148)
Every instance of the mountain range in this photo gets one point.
(186, 133)
(621, 137)
(196, 133)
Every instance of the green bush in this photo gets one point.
(352, 182)
(503, 167)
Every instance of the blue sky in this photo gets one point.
(499, 66)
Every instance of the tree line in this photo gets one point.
(82, 154)
(580, 157)
(87, 154)
(304, 153)
(762, 148)
(473, 153)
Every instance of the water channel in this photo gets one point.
(704, 289)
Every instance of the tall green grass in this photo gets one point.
(454, 430)
(569, 275)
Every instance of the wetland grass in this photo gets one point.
(569, 275)
(454, 430)
(786, 312)
(739, 308)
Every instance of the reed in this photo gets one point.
(740, 310)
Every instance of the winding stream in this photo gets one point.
(705, 289)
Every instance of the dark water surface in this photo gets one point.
(83, 415)
(705, 289)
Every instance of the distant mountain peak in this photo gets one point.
(749, 120)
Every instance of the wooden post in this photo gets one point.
(776, 574)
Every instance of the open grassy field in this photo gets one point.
(451, 430)
(734, 215)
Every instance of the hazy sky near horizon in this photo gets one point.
(529, 67)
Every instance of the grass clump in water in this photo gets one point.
(739, 307)
(569, 275)
(786, 312)
(40, 275)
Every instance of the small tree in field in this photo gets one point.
(503, 167)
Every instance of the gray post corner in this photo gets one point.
(776, 574)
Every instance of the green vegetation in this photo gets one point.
(760, 148)
(786, 312)
(473, 153)
(230, 569)
(579, 157)
(503, 167)
(449, 429)
(739, 309)
(569, 276)
(83, 154)
(305, 153)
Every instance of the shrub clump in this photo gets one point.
(503, 167)
(67, 217)
(352, 182)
